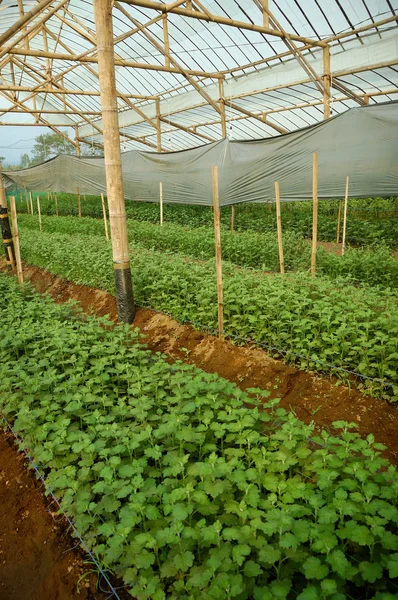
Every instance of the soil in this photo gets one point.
(311, 397)
(38, 557)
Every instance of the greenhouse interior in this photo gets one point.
(199, 332)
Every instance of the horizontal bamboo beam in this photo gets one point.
(46, 111)
(23, 21)
(47, 90)
(118, 62)
(209, 17)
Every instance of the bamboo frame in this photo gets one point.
(314, 212)
(345, 216)
(233, 217)
(31, 203)
(217, 238)
(39, 213)
(279, 227)
(105, 217)
(113, 164)
(161, 202)
(15, 232)
(338, 223)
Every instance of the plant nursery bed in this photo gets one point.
(39, 559)
(309, 396)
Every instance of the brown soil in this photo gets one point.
(38, 557)
(333, 247)
(311, 397)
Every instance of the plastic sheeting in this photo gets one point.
(361, 143)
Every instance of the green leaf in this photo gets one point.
(183, 561)
(314, 569)
(392, 565)
(310, 593)
(329, 587)
(252, 569)
(370, 571)
(239, 552)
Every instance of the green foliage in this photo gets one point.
(319, 320)
(178, 487)
(49, 145)
(374, 266)
(370, 220)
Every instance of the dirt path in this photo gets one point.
(311, 397)
(38, 558)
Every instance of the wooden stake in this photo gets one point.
(345, 215)
(279, 226)
(26, 198)
(314, 211)
(161, 202)
(105, 217)
(233, 217)
(16, 239)
(20, 197)
(39, 213)
(217, 236)
(56, 204)
(31, 203)
(113, 163)
(338, 223)
(79, 204)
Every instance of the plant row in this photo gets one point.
(374, 266)
(367, 222)
(178, 487)
(312, 322)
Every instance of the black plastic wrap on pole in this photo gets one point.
(124, 293)
(7, 238)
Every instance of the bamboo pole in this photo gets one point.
(345, 215)
(31, 203)
(20, 197)
(233, 217)
(338, 223)
(161, 202)
(314, 211)
(5, 227)
(79, 204)
(16, 239)
(27, 199)
(279, 226)
(105, 217)
(113, 164)
(39, 213)
(217, 236)
(56, 204)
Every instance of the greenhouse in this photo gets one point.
(199, 333)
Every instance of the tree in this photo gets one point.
(49, 145)
(25, 161)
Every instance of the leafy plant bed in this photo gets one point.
(39, 559)
(313, 323)
(178, 487)
(374, 266)
(370, 220)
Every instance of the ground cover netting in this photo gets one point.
(374, 266)
(179, 486)
(370, 220)
(314, 323)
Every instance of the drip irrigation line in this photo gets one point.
(112, 590)
(215, 331)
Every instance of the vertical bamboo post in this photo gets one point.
(39, 213)
(338, 223)
(26, 198)
(345, 215)
(48, 196)
(56, 204)
(16, 239)
(113, 164)
(314, 211)
(161, 202)
(20, 197)
(77, 144)
(79, 204)
(217, 236)
(105, 217)
(279, 226)
(233, 217)
(31, 203)
(326, 82)
(5, 227)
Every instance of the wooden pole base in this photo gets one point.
(124, 293)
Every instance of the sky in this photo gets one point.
(15, 141)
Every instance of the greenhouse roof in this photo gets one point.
(192, 72)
